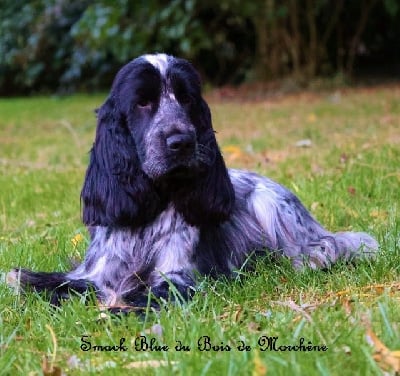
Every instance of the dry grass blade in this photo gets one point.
(149, 363)
(295, 307)
(48, 367)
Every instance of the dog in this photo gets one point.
(162, 208)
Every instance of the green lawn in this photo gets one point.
(348, 177)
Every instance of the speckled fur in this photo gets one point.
(158, 217)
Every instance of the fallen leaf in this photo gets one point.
(386, 359)
(343, 292)
(232, 149)
(381, 288)
(386, 119)
(259, 368)
(238, 314)
(346, 349)
(303, 143)
(343, 158)
(78, 238)
(351, 190)
(378, 214)
(347, 306)
(378, 289)
(311, 118)
(314, 206)
(235, 316)
(48, 368)
(233, 152)
(253, 327)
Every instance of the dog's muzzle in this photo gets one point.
(181, 145)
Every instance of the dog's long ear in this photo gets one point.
(115, 190)
(212, 198)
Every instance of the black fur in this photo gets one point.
(162, 208)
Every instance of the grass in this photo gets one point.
(349, 177)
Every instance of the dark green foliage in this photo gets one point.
(36, 45)
(69, 45)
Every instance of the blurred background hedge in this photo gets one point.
(69, 45)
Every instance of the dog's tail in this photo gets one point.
(346, 246)
(56, 286)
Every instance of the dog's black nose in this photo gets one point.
(181, 143)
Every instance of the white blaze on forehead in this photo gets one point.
(159, 61)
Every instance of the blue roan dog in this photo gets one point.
(162, 208)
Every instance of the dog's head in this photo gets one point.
(160, 100)
(155, 144)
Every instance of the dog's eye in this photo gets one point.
(185, 99)
(144, 103)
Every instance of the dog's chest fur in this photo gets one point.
(116, 254)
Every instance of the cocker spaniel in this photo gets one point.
(162, 208)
